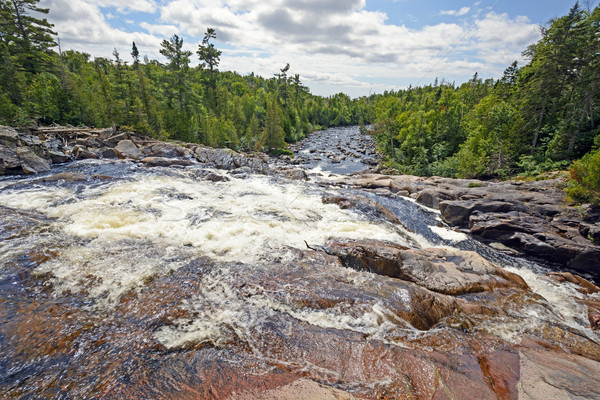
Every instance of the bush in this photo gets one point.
(585, 179)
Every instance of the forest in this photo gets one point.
(540, 116)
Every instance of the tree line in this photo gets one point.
(536, 117)
(46, 85)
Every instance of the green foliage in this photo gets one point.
(535, 118)
(172, 100)
(29, 39)
(273, 135)
(585, 179)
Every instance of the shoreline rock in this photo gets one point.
(530, 218)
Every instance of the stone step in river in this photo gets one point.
(120, 280)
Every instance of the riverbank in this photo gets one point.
(522, 218)
(204, 273)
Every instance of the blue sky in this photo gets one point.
(352, 46)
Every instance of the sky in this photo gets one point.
(357, 47)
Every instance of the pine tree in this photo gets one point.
(28, 39)
(273, 135)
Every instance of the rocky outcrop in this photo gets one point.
(22, 154)
(32, 154)
(444, 271)
(530, 218)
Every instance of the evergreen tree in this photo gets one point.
(209, 55)
(28, 39)
(272, 138)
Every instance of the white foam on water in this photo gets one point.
(222, 308)
(560, 307)
(448, 234)
(118, 234)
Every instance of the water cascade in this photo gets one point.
(138, 282)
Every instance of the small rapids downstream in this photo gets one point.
(123, 281)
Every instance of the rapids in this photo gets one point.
(161, 283)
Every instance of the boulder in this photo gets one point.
(126, 149)
(9, 162)
(83, 153)
(432, 197)
(457, 213)
(58, 157)
(229, 159)
(108, 152)
(164, 149)
(296, 174)
(30, 162)
(446, 271)
(9, 136)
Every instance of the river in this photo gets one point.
(137, 282)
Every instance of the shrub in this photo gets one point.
(585, 179)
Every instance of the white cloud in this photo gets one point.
(334, 45)
(458, 13)
(160, 30)
(82, 26)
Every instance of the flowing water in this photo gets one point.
(159, 283)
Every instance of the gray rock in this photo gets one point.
(82, 153)
(30, 162)
(108, 152)
(9, 136)
(162, 149)
(165, 162)
(126, 149)
(297, 174)
(58, 157)
(432, 197)
(457, 213)
(9, 162)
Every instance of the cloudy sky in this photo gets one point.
(352, 46)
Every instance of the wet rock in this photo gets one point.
(452, 272)
(301, 389)
(82, 153)
(213, 177)
(297, 174)
(30, 162)
(586, 286)
(126, 149)
(58, 157)
(165, 162)
(108, 152)
(363, 204)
